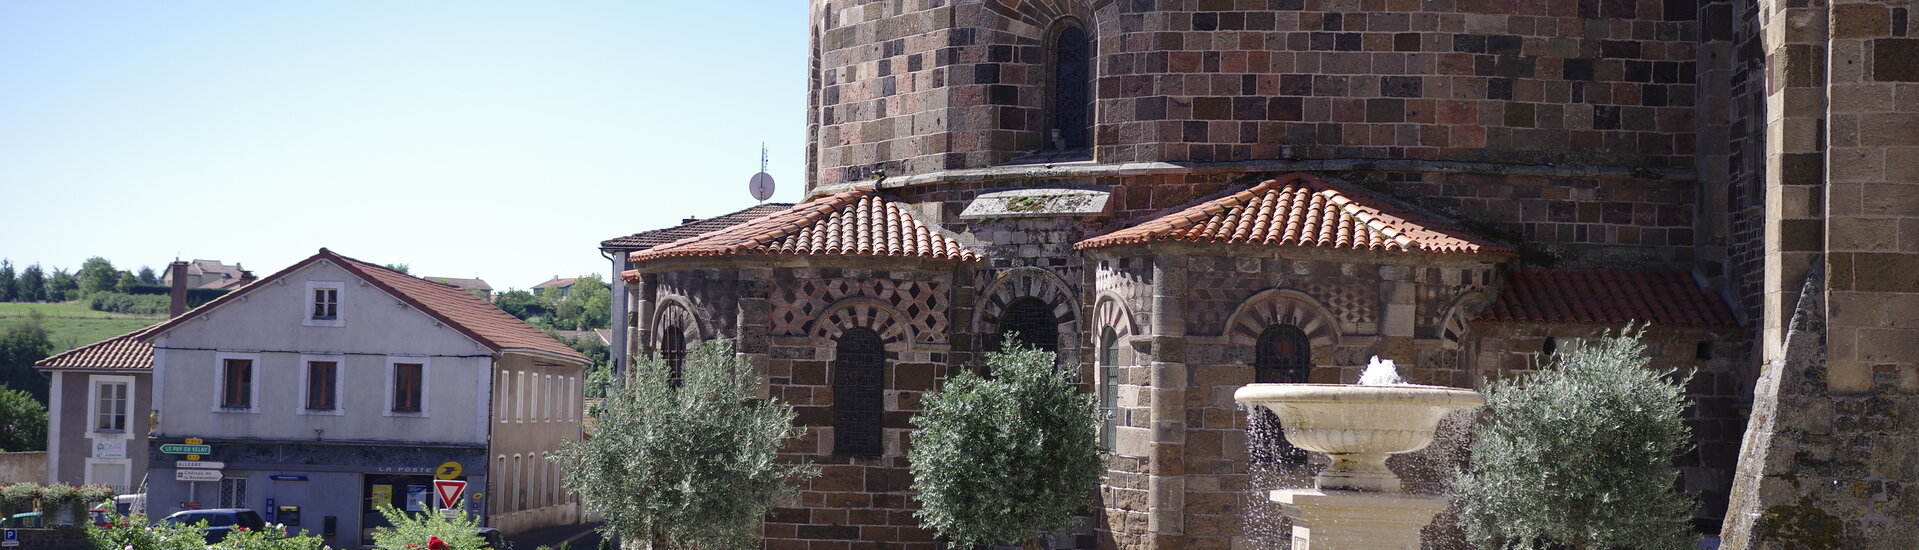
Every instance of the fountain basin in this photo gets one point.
(1358, 426)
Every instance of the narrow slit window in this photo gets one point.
(1072, 103)
(673, 351)
(859, 400)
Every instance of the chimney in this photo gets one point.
(179, 306)
(689, 219)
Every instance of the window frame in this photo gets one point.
(94, 383)
(306, 380)
(1107, 370)
(392, 388)
(219, 385)
(1055, 86)
(673, 351)
(308, 301)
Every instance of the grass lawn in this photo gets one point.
(71, 324)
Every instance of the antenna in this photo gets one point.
(761, 186)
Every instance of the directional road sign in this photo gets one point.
(178, 449)
(196, 474)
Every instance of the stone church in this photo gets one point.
(1181, 197)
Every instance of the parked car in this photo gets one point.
(220, 521)
(495, 539)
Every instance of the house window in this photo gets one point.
(673, 351)
(322, 385)
(233, 492)
(110, 405)
(1032, 324)
(409, 382)
(323, 308)
(858, 397)
(1071, 77)
(236, 384)
(1109, 385)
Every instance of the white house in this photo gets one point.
(335, 386)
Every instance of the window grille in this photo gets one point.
(1109, 386)
(1032, 324)
(1284, 356)
(858, 393)
(673, 351)
(233, 492)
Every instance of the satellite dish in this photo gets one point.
(761, 186)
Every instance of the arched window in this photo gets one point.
(1032, 324)
(859, 404)
(1072, 75)
(673, 350)
(1109, 385)
(1284, 356)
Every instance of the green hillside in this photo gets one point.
(71, 324)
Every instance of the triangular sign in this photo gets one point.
(449, 491)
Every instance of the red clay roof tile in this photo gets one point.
(470, 315)
(1606, 296)
(857, 222)
(1302, 210)
(649, 239)
(126, 351)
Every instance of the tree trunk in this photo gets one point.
(1032, 543)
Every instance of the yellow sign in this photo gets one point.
(447, 470)
(477, 495)
(382, 496)
(193, 457)
(194, 441)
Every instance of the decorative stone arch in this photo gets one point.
(677, 311)
(1110, 311)
(867, 313)
(1282, 307)
(1453, 328)
(1031, 282)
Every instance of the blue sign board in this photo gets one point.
(270, 509)
(10, 537)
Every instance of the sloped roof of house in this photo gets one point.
(1304, 211)
(1606, 296)
(469, 284)
(452, 306)
(561, 282)
(649, 239)
(127, 351)
(859, 222)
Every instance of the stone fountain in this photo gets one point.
(1356, 502)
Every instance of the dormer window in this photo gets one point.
(322, 304)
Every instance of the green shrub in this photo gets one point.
(19, 497)
(124, 532)
(419, 531)
(114, 302)
(274, 537)
(55, 497)
(1580, 454)
(1002, 459)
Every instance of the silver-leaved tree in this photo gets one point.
(692, 463)
(1004, 458)
(1580, 454)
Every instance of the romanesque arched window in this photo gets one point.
(1284, 356)
(1072, 77)
(673, 351)
(1109, 385)
(1032, 324)
(859, 373)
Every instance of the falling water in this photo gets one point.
(1272, 463)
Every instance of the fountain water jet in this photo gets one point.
(1357, 502)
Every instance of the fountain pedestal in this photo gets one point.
(1357, 503)
(1351, 520)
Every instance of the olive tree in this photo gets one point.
(681, 463)
(1580, 454)
(1002, 459)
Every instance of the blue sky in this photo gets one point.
(492, 139)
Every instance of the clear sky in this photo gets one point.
(502, 140)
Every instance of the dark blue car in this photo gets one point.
(220, 521)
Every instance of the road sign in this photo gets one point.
(449, 491)
(10, 537)
(177, 449)
(447, 470)
(202, 464)
(195, 474)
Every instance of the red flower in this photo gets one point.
(239, 527)
(434, 543)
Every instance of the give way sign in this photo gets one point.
(449, 491)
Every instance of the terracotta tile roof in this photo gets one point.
(857, 222)
(562, 282)
(456, 308)
(1305, 211)
(1606, 296)
(649, 239)
(126, 351)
